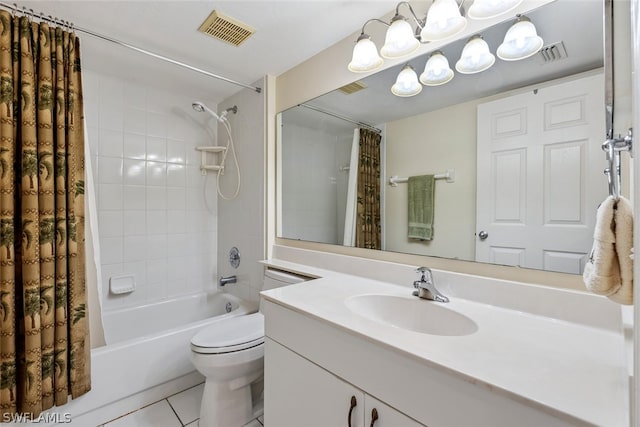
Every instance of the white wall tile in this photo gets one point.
(135, 197)
(141, 139)
(110, 143)
(110, 170)
(135, 172)
(111, 223)
(156, 198)
(176, 175)
(135, 222)
(176, 152)
(134, 248)
(135, 146)
(156, 148)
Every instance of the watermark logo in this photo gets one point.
(44, 417)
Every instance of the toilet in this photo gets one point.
(230, 355)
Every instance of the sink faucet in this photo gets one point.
(426, 288)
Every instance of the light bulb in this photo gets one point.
(443, 20)
(520, 42)
(436, 70)
(486, 9)
(399, 40)
(365, 56)
(475, 57)
(406, 83)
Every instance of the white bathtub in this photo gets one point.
(149, 346)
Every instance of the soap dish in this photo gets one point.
(123, 284)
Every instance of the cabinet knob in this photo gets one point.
(374, 416)
(354, 403)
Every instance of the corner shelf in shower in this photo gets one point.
(205, 164)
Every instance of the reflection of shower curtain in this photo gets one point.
(352, 189)
(368, 226)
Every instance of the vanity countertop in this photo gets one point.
(570, 370)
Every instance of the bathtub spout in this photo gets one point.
(227, 280)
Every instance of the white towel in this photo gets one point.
(623, 218)
(609, 270)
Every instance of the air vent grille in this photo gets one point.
(352, 88)
(225, 28)
(552, 52)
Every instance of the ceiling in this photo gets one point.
(287, 33)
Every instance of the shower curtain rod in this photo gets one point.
(30, 12)
(337, 116)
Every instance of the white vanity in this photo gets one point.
(342, 349)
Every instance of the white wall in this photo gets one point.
(242, 221)
(431, 143)
(152, 218)
(314, 190)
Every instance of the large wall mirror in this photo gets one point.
(515, 150)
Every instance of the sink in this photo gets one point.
(413, 314)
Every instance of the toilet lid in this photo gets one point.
(232, 334)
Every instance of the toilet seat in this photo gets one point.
(230, 335)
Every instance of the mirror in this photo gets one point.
(520, 142)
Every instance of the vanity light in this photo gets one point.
(520, 42)
(407, 83)
(443, 20)
(365, 56)
(436, 71)
(399, 40)
(475, 57)
(486, 9)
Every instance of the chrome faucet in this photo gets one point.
(227, 280)
(426, 288)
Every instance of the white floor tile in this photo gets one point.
(253, 423)
(157, 415)
(187, 403)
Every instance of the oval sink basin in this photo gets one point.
(413, 314)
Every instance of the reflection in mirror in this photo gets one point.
(520, 141)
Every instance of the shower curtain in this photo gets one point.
(44, 340)
(368, 225)
(349, 237)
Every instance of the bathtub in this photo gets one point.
(148, 346)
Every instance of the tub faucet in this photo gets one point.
(426, 288)
(227, 280)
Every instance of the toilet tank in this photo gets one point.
(277, 278)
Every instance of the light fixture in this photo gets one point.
(475, 57)
(486, 9)
(399, 40)
(443, 20)
(365, 56)
(520, 42)
(436, 71)
(407, 83)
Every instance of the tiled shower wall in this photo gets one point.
(153, 220)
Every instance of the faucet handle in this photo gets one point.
(423, 271)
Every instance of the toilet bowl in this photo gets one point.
(230, 355)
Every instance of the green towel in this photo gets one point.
(421, 206)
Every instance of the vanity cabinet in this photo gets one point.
(299, 392)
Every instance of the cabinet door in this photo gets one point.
(378, 414)
(300, 393)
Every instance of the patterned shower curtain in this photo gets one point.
(44, 331)
(368, 228)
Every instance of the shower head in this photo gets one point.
(201, 108)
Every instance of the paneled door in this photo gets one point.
(540, 176)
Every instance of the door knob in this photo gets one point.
(483, 235)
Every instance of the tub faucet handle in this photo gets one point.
(227, 280)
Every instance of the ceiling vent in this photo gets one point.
(552, 52)
(352, 88)
(225, 28)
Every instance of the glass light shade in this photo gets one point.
(407, 83)
(486, 9)
(475, 57)
(399, 40)
(365, 56)
(520, 42)
(436, 71)
(443, 20)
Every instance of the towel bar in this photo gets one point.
(449, 175)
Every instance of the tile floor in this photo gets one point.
(179, 410)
